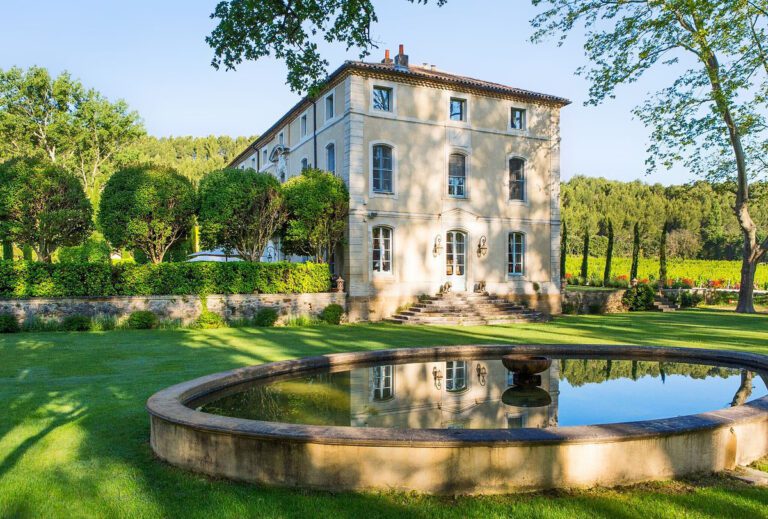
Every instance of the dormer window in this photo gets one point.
(382, 99)
(517, 119)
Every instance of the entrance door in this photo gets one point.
(456, 259)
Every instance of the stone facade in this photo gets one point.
(427, 225)
(584, 301)
(182, 308)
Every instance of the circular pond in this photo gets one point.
(470, 419)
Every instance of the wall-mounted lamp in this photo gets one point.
(482, 373)
(437, 248)
(437, 375)
(482, 247)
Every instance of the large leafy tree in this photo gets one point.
(148, 208)
(58, 119)
(317, 203)
(240, 210)
(712, 118)
(291, 30)
(42, 206)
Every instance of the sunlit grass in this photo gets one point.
(74, 431)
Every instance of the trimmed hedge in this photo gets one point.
(20, 279)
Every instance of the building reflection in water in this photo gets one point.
(460, 394)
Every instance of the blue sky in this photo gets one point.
(152, 53)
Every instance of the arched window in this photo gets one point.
(382, 382)
(304, 164)
(516, 254)
(382, 169)
(330, 157)
(456, 375)
(382, 250)
(457, 175)
(516, 179)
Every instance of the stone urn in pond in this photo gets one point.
(525, 365)
(526, 391)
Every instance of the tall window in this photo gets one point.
(458, 109)
(330, 158)
(516, 179)
(382, 99)
(303, 125)
(457, 175)
(329, 107)
(304, 164)
(281, 139)
(382, 169)
(265, 157)
(517, 119)
(516, 254)
(382, 382)
(456, 375)
(253, 162)
(382, 249)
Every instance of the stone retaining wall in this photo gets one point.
(585, 301)
(183, 308)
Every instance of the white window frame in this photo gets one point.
(395, 162)
(332, 98)
(253, 161)
(451, 367)
(335, 163)
(304, 125)
(513, 253)
(525, 119)
(466, 154)
(508, 177)
(383, 385)
(379, 272)
(281, 138)
(265, 157)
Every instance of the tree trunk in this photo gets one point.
(746, 290)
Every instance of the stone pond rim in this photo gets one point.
(450, 461)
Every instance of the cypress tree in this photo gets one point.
(7, 250)
(635, 252)
(608, 256)
(563, 250)
(663, 256)
(585, 258)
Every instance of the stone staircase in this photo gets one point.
(466, 309)
(662, 304)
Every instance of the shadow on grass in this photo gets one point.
(74, 437)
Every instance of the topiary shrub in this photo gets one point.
(208, 320)
(638, 298)
(76, 323)
(142, 320)
(265, 317)
(332, 314)
(9, 323)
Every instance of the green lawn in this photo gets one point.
(74, 432)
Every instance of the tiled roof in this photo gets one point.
(412, 72)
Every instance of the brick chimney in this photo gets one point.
(401, 60)
(387, 60)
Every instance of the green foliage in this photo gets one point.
(95, 249)
(318, 204)
(638, 298)
(265, 317)
(76, 323)
(208, 320)
(42, 206)
(142, 320)
(62, 122)
(147, 208)
(9, 323)
(30, 279)
(302, 320)
(240, 211)
(332, 314)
